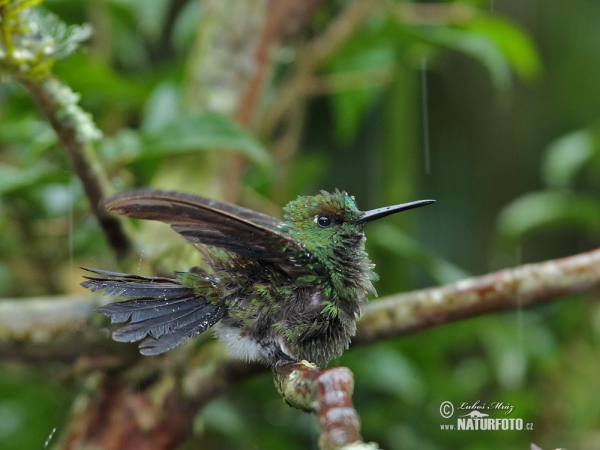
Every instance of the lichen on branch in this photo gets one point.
(328, 395)
(31, 42)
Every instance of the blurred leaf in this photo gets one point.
(186, 25)
(392, 373)
(541, 209)
(120, 149)
(13, 179)
(197, 132)
(442, 271)
(358, 61)
(515, 45)
(161, 107)
(223, 416)
(29, 135)
(566, 156)
(129, 47)
(149, 16)
(474, 44)
(511, 345)
(30, 407)
(98, 82)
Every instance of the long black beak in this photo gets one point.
(378, 213)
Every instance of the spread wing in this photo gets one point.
(208, 222)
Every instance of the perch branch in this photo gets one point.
(507, 289)
(29, 329)
(328, 395)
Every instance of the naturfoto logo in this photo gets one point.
(476, 419)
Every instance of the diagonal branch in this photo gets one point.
(51, 330)
(63, 318)
(24, 320)
(518, 287)
(29, 46)
(71, 133)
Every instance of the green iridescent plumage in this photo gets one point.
(279, 291)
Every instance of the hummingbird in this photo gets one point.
(276, 291)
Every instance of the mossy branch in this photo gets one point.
(328, 395)
(509, 289)
(58, 329)
(401, 314)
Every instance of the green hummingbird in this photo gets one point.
(277, 291)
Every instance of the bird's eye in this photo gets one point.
(323, 221)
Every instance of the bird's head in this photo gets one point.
(330, 225)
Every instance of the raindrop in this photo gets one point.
(50, 437)
(140, 262)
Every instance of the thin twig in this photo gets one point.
(432, 13)
(312, 56)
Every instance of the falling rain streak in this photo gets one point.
(47, 443)
(71, 228)
(140, 261)
(519, 310)
(425, 115)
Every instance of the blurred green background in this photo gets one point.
(490, 107)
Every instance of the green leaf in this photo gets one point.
(28, 136)
(199, 132)
(567, 155)
(391, 373)
(499, 45)
(473, 44)
(120, 149)
(150, 16)
(514, 44)
(185, 25)
(161, 107)
(442, 271)
(13, 179)
(352, 74)
(536, 210)
(98, 83)
(350, 104)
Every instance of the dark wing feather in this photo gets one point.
(127, 285)
(209, 222)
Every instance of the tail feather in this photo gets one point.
(163, 312)
(152, 346)
(164, 324)
(143, 309)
